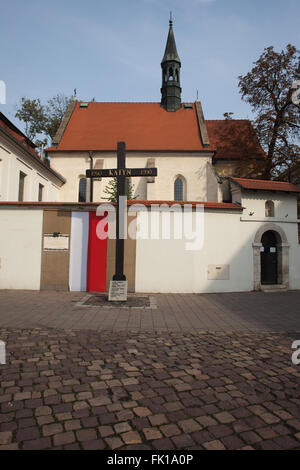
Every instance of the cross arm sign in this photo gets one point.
(115, 172)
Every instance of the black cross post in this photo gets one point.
(121, 172)
(119, 270)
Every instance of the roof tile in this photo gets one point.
(266, 185)
(148, 127)
(234, 139)
(206, 205)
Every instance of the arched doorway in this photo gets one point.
(268, 258)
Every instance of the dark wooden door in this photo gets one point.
(268, 258)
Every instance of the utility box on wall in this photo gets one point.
(218, 272)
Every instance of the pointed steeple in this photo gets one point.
(170, 64)
(171, 50)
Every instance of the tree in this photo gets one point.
(42, 120)
(32, 113)
(268, 88)
(55, 111)
(111, 190)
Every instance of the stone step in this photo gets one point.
(274, 288)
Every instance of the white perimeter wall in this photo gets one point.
(166, 266)
(285, 205)
(20, 248)
(161, 265)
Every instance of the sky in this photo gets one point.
(111, 50)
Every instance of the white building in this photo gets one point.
(24, 176)
(154, 137)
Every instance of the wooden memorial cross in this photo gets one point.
(118, 285)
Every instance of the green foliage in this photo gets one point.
(268, 89)
(32, 112)
(111, 190)
(54, 111)
(42, 121)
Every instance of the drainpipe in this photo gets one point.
(91, 179)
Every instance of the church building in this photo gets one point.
(247, 238)
(191, 153)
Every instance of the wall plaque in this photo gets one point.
(56, 242)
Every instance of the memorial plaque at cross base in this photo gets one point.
(118, 285)
(117, 291)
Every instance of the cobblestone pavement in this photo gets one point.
(246, 311)
(84, 389)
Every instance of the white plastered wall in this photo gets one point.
(12, 161)
(20, 248)
(285, 217)
(191, 166)
(285, 205)
(166, 265)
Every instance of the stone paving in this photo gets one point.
(246, 311)
(175, 387)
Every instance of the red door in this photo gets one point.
(96, 263)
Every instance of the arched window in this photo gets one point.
(82, 190)
(178, 189)
(171, 77)
(269, 209)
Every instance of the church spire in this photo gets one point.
(170, 64)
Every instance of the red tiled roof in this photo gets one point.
(266, 185)
(234, 139)
(143, 126)
(17, 134)
(147, 126)
(207, 205)
(25, 142)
